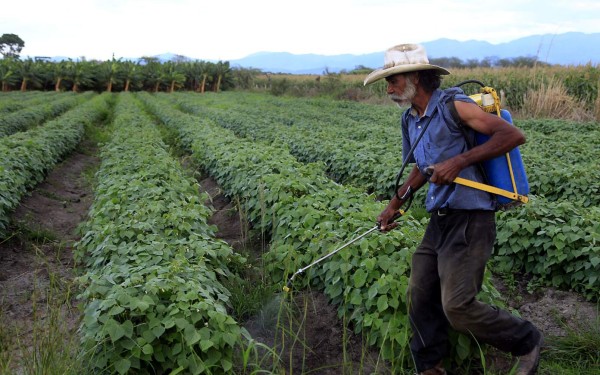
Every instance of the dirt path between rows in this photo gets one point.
(36, 268)
(320, 344)
(37, 295)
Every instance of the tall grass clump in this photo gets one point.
(551, 100)
(577, 352)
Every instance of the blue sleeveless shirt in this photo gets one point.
(443, 140)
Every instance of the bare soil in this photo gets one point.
(37, 261)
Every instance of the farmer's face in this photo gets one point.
(401, 89)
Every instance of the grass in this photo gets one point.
(43, 340)
(569, 93)
(577, 352)
(551, 100)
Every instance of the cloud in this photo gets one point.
(237, 28)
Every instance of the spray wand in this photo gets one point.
(397, 215)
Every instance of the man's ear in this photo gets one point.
(414, 77)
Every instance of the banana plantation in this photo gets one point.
(148, 73)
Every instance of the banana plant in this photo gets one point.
(8, 75)
(173, 75)
(30, 72)
(81, 74)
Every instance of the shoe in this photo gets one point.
(528, 363)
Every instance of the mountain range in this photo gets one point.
(571, 48)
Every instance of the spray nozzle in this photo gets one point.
(286, 288)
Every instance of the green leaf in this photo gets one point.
(373, 290)
(114, 329)
(158, 331)
(356, 298)
(191, 335)
(122, 366)
(462, 351)
(140, 304)
(115, 310)
(205, 344)
(382, 303)
(464, 341)
(147, 349)
(360, 277)
(226, 364)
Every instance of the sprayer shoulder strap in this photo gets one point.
(461, 125)
(459, 122)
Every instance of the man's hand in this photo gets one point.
(445, 172)
(386, 218)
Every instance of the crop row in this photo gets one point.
(35, 115)
(26, 157)
(559, 157)
(556, 161)
(307, 215)
(15, 100)
(154, 302)
(356, 121)
(368, 164)
(557, 242)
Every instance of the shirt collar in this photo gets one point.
(435, 96)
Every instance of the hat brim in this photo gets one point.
(378, 74)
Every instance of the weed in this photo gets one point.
(578, 350)
(30, 233)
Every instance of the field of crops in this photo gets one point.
(309, 175)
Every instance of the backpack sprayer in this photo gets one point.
(505, 174)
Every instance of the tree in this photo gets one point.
(109, 73)
(173, 75)
(11, 45)
(193, 71)
(80, 73)
(222, 69)
(30, 72)
(60, 71)
(130, 71)
(8, 75)
(244, 77)
(206, 71)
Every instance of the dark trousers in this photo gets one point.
(446, 275)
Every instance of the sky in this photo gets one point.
(233, 29)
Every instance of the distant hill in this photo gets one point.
(563, 49)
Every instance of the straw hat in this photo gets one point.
(403, 58)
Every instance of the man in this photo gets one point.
(448, 266)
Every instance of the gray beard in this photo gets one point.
(405, 100)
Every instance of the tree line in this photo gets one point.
(148, 73)
(486, 62)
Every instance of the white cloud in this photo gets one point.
(236, 28)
